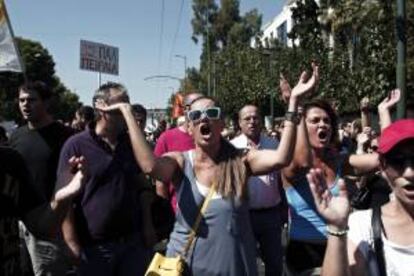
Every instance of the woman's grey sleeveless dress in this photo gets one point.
(224, 244)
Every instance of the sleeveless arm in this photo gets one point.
(302, 156)
(362, 163)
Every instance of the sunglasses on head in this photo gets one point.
(212, 113)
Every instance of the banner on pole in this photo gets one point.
(9, 54)
(99, 57)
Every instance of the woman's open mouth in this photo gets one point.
(409, 187)
(205, 130)
(409, 190)
(323, 135)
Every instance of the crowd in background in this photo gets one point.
(101, 194)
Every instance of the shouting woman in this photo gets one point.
(224, 243)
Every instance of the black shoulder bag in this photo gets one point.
(378, 244)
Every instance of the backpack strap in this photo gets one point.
(378, 244)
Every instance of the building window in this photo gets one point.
(282, 33)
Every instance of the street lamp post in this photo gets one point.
(401, 57)
(185, 69)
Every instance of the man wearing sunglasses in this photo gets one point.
(264, 192)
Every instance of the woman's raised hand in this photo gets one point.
(334, 209)
(305, 85)
(390, 101)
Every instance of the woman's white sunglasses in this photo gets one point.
(212, 113)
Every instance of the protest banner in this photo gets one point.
(99, 57)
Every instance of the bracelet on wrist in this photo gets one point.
(337, 233)
(300, 110)
(292, 117)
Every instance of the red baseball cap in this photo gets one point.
(396, 133)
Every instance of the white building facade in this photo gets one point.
(281, 25)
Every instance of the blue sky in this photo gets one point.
(132, 25)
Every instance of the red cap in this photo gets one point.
(395, 133)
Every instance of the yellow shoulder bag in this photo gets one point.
(169, 266)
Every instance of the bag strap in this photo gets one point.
(198, 219)
(378, 244)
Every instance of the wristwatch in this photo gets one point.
(293, 117)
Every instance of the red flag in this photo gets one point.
(178, 106)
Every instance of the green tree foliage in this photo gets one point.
(204, 13)
(192, 82)
(307, 28)
(220, 26)
(353, 41)
(39, 66)
(233, 88)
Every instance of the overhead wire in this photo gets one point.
(161, 36)
(177, 30)
(160, 41)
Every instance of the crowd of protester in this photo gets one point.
(314, 194)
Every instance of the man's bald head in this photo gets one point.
(249, 107)
(250, 121)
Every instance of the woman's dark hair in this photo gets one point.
(327, 107)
